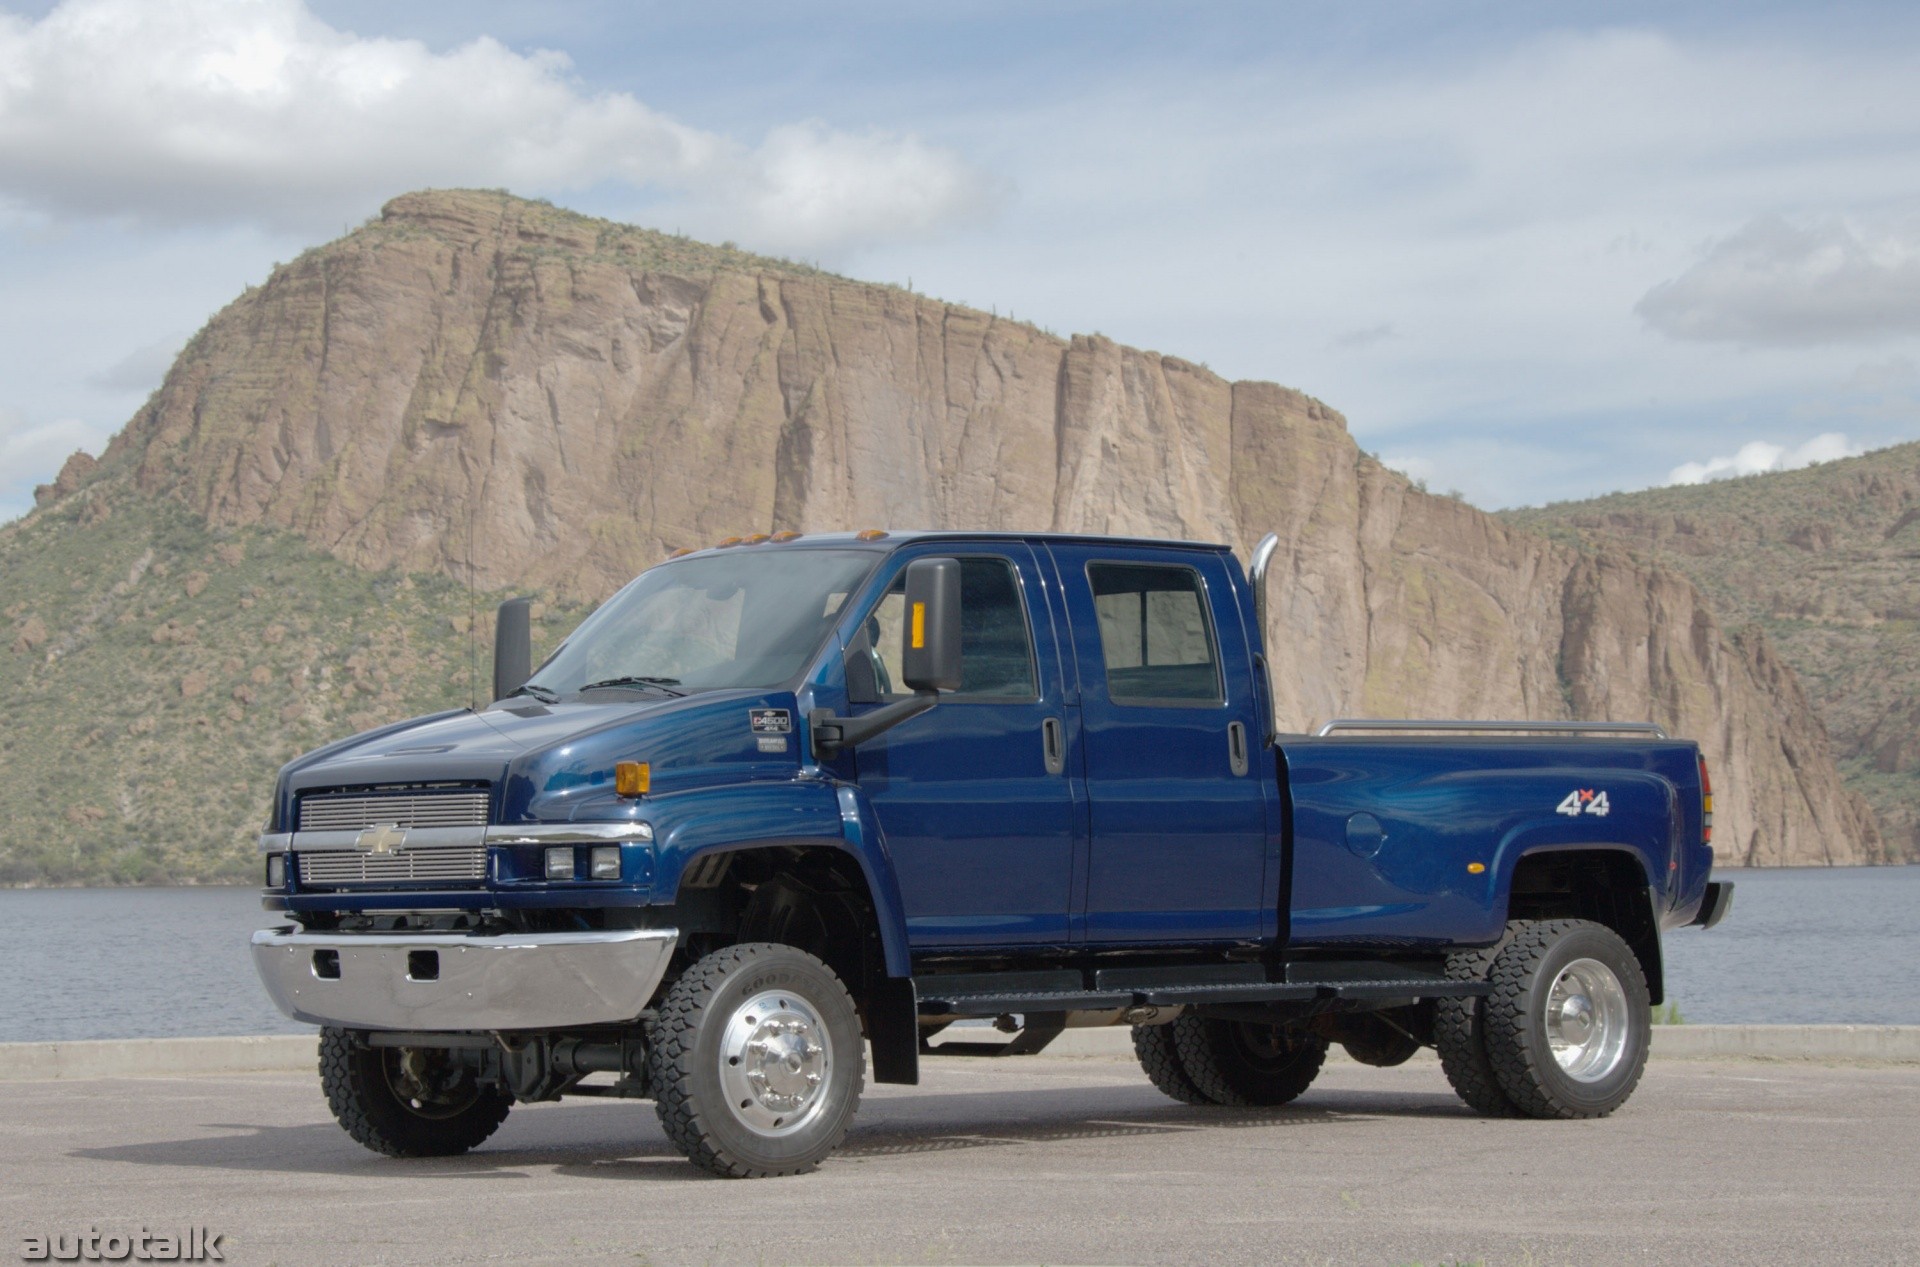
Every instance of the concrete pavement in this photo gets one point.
(1071, 1160)
(288, 1053)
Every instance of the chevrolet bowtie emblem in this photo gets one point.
(382, 838)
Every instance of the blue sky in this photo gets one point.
(1532, 252)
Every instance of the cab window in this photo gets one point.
(1155, 636)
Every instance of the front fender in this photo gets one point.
(812, 813)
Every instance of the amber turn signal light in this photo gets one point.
(632, 778)
(1706, 804)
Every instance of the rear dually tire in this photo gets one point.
(1569, 1022)
(1247, 1064)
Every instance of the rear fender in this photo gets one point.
(1608, 883)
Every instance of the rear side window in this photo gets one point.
(1154, 634)
(996, 649)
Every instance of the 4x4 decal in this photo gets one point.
(1583, 800)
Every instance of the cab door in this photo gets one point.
(975, 797)
(1179, 846)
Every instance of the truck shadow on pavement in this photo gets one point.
(599, 1141)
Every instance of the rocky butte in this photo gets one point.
(1826, 561)
(476, 381)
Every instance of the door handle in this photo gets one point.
(1237, 747)
(1053, 743)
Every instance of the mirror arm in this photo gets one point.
(832, 735)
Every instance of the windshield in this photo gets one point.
(746, 619)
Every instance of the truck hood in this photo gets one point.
(547, 762)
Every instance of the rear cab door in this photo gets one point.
(1182, 796)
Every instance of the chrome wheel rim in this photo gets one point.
(776, 1060)
(1588, 1020)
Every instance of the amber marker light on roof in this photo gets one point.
(784, 536)
(755, 539)
(632, 778)
(730, 541)
(682, 550)
(871, 534)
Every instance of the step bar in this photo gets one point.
(939, 1000)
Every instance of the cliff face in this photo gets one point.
(477, 381)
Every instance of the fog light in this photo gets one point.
(560, 863)
(276, 871)
(606, 862)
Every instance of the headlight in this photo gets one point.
(276, 871)
(606, 862)
(560, 862)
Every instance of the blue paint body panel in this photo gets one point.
(983, 838)
(1179, 845)
(1445, 804)
(1152, 831)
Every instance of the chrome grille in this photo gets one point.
(463, 807)
(342, 867)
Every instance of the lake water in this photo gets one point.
(1802, 946)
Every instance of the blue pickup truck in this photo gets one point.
(794, 798)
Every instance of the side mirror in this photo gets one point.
(930, 654)
(512, 647)
(929, 660)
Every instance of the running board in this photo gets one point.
(938, 999)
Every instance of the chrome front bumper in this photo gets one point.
(426, 981)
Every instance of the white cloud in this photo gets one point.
(208, 110)
(1366, 336)
(809, 184)
(1780, 283)
(1757, 457)
(139, 370)
(1418, 469)
(31, 454)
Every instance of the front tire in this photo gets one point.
(1247, 1064)
(406, 1102)
(756, 1061)
(1569, 1021)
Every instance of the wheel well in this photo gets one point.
(1607, 886)
(811, 897)
(815, 898)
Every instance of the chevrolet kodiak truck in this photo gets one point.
(792, 797)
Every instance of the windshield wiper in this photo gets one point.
(540, 693)
(637, 682)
